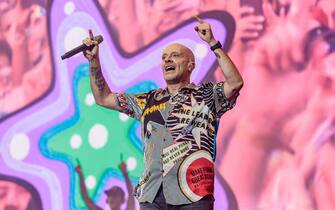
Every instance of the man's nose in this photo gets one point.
(168, 59)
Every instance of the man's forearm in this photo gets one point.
(128, 183)
(131, 199)
(99, 86)
(230, 72)
(88, 201)
(83, 189)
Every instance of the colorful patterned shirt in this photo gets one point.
(178, 138)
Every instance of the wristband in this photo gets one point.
(216, 46)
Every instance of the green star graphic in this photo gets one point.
(98, 138)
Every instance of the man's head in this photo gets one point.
(177, 63)
(115, 197)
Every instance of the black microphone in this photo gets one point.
(81, 48)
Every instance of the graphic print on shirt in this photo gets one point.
(138, 189)
(148, 151)
(196, 175)
(190, 122)
(151, 143)
(152, 114)
(173, 154)
(131, 104)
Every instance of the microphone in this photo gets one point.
(81, 48)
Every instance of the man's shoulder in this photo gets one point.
(206, 85)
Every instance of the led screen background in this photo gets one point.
(275, 149)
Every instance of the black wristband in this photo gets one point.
(216, 46)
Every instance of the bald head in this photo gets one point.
(183, 49)
(178, 63)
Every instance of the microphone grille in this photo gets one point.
(99, 38)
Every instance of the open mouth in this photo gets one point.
(169, 68)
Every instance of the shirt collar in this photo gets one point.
(188, 86)
(162, 93)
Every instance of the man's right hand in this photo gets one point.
(93, 55)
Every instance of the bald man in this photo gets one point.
(178, 124)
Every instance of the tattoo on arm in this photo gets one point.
(98, 78)
(217, 55)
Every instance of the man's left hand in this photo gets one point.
(204, 31)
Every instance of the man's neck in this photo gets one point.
(173, 88)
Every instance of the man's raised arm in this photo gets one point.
(101, 92)
(131, 199)
(234, 81)
(88, 201)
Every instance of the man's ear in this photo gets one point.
(190, 66)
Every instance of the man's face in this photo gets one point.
(115, 200)
(177, 64)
